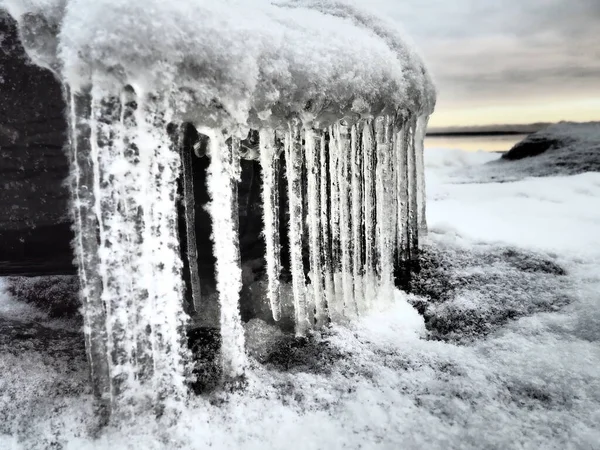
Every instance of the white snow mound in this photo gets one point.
(253, 61)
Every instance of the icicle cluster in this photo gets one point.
(364, 200)
(354, 167)
(125, 169)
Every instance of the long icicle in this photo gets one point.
(388, 225)
(294, 159)
(336, 305)
(370, 211)
(106, 156)
(163, 312)
(189, 212)
(357, 217)
(86, 249)
(401, 154)
(313, 165)
(381, 204)
(420, 163)
(223, 177)
(344, 180)
(413, 219)
(325, 222)
(269, 161)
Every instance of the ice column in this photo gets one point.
(343, 139)
(420, 166)
(125, 208)
(294, 158)
(269, 161)
(313, 141)
(223, 176)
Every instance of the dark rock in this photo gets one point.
(564, 148)
(532, 146)
(465, 294)
(35, 233)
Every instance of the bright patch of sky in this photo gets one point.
(515, 61)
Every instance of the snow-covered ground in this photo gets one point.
(527, 379)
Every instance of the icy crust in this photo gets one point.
(233, 62)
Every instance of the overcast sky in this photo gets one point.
(507, 61)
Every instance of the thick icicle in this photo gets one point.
(370, 212)
(86, 247)
(164, 312)
(401, 155)
(325, 223)
(385, 204)
(357, 217)
(128, 251)
(189, 218)
(269, 161)
(412, 213)
(336, 305)
(313, 168)
(294, 159)
(223, 177)
(106, 154)
(344, 180)
(420, 163)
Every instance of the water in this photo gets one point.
(498, 143)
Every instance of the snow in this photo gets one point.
(531, 382)
(324, 59)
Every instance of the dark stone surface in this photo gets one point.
(532, 146)
(35, 233)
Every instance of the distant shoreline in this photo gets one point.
(475, 133)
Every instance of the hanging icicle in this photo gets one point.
(370, 213)
(86, 248)
(412, 216)
(223, 176)
(188, 207)
(325, 215)
(357, 189)
(128, 249)
(420, 166)
(269, 161)
(313, 167)
(294, 162)
(336, 305)
(401, 155)
(343, 139)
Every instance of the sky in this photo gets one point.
(508, 61)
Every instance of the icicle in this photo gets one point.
(419, 161)
(325, 222)
(269, 160)
(294, 159)
(189, 216)
(86, 248)
(370, 212)
(336, 305)
(401, 154)
(413, 221)
(357, 217)
(344, 180)
(128, 251)
(223, 176)
(106, 155)
(162, 312)
(385, 204)
(313, 167)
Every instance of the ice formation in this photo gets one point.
(333, 89)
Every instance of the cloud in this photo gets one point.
(482, 52)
